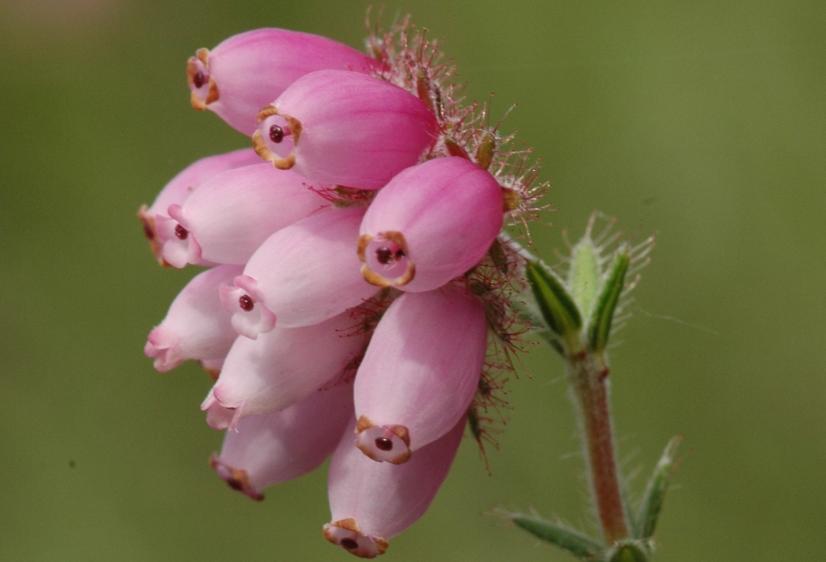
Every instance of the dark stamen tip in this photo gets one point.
(384, 255)
(384, 443)
(180, 232)
(276, 134)
(199, 79)
(246, 303)
(349, 544)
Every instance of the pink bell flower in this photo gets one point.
(284, 365)
(433, 222)
(247, 71)
(373, 502)
(420, 372)
(268, 449)
(183, 184)
(345, 128)
(231, 214)
(300, 276)
(196, 326)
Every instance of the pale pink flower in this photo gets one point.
(301, 275)
(420, 372)
(271, 448)
(249, 70)
(232, 213)
(184, 184)
(284, 365)
(373, 502)
(196, 326)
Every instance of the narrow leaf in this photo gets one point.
(585, 273)
(564, 537)
(654, 497)
(599, 328)
(554, 302)
(628, 552)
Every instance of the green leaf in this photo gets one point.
(599, 328)
(628, 552)
(654, 497)
(585, 273)
(564, 537)
(555, 303)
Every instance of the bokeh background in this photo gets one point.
(703, 122)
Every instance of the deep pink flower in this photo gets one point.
(247, 71)
(365, 248)
(432, 223)
(373, 502)
(196, 326)
(345, 128)
(301, 275)
(420, 372)
(183, 184)
(232, 213)
(271, 448)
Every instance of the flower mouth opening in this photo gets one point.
(202, 87)
(236, 478)
(346, 534)
(385, 259)
(162, 347)
(250, 316)
(276, 137)
(388, 443)
(177, 245)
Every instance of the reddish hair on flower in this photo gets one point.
(360, 291)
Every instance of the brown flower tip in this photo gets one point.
(346, 534)
(385, 259)
(203, 88)
(151, 233)
(236, 478)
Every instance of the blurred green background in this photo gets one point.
(703, 122)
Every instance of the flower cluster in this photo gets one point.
(355, 299)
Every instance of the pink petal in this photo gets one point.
(182, 185)
(372, 502)
(433, 222)
(231, 214)
(283, 366)
(249, 70)
(420, 372)
(196, 326)
(345, 128)
(272, 448)
(304, 273)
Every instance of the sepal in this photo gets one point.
(599, 325)
(554, 301)
(558, 535)
(654, 496)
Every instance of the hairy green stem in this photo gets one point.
(589, 376)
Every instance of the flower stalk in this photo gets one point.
(588, 374)
(575, 312)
